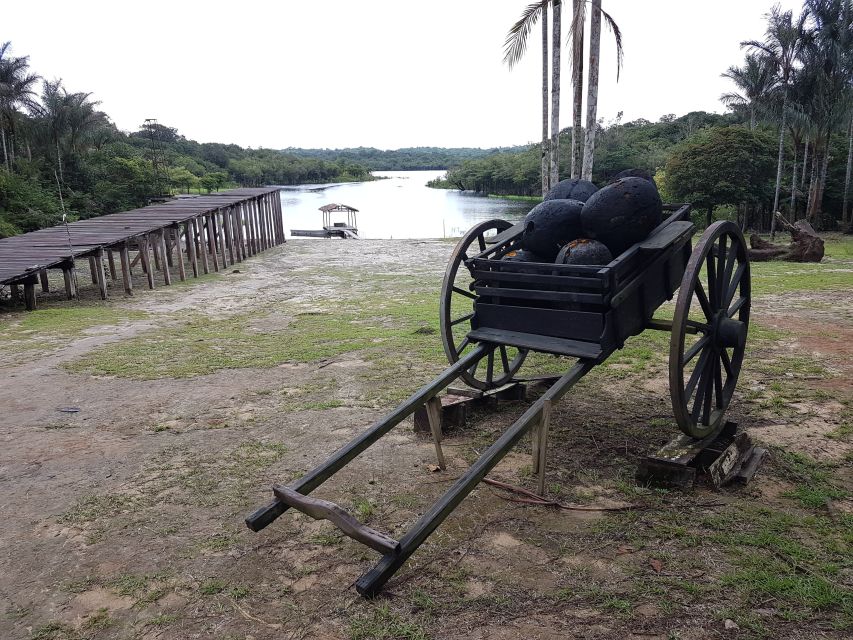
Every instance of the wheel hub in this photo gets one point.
(728, 332)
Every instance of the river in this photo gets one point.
(400, 206)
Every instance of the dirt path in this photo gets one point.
(132, 450)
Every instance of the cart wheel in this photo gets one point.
(456, 311)
(703, 371)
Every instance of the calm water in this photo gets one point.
(400, 207)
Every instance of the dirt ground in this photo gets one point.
(138, 433)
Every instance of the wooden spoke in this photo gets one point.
(708, 381)
(504, 359)
(699, 326)
(736, 306)
(461, 319)
(465, 342)
(727, 273)
(703, 301)
(718, 384)
(720, 269)
(462, 292)
(700, 344)
(733, 285)
(727, 363)
(713, 293)
(490, 366)
(703, 389)
(482, 242)
(697, 373)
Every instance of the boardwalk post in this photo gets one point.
(211, 241)
(112, 262)
(30, 293)
(68, 276)
(241, 234)
(45, 287)
(146, 259)
(155, 249)
(219, 236)
(93, 270)
(182, 271)
(198, 227)
(263, 219)
(250, 229)
(164, 263)
(15, 292)
(169, 245)
(227, 219)
(125, 269)
(102, 276)
(189, 240)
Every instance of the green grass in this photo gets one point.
(53, 325)
(383, 624)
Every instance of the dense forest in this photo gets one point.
(786, 145)
(60, 152)
(407, 159)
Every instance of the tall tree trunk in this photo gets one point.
(845, 221)
(779, 167)
(794, 183)
(592, 89)
(805, 163)
(821, 184)
(577, 83)
(545, 166)
(812, 172)
(5, 154)
(557, 10)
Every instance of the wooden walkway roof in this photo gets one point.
(25, 255)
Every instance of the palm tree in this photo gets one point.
(754, 81)
(592, 85)
(784, 40)
(828, 54)
(16, 91)
(514, 47)
(556, 8)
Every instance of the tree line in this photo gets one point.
(405, 159)
(786, 144)
(60, 153)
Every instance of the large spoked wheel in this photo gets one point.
(709, 330)
(457, 310)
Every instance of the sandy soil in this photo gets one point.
(123, 499)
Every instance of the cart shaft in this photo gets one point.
(318, 475)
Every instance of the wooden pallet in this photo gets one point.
(724, 457)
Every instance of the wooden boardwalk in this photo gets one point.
(213, 231)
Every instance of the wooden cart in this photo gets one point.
(495, 311)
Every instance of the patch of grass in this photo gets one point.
(79, 585)
(99, 620)
(94, 507)
(814, 485)
(163, 619)
(777, 580)
(220, 542)
(128, 584)
(212, 586)
(239, 591)
(62, 322)
(782, 277)
(55, 631)
(364, 508)
(383, 624)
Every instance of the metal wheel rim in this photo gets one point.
(706, 372)
(501, 364)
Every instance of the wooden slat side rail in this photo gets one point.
(667, 236)
(325, 510)
(558, 346)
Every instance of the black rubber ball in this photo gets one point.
(550, 225)
(622, 213)
(584, 251)
(522, 255)
(571, 189)
(634, 173)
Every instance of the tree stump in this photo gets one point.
(806, 245)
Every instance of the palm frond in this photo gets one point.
(617, 35)
(516, 38)
(576, 28)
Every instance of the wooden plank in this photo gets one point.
(558, 346)
(112, 262)
(45, 285)
(537, 294)
(730, 461)
(667, 236)
(325, 510)
(542, 453)
(573, 325)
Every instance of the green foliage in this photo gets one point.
(25, 205)
(726, 165)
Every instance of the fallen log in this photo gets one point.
(806, 245)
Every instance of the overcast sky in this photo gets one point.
(339, 73)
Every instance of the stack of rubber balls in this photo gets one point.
(577, 223)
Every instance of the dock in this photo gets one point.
(211, 232)
(347, 230)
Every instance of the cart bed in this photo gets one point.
(577, 310)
